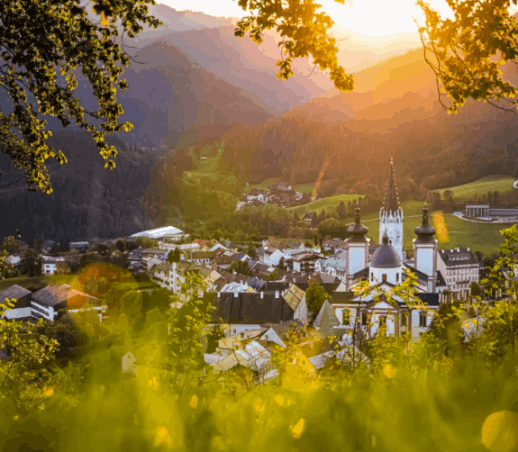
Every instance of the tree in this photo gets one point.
(173, 256)
(44, 43)
(273, 276)
(241, 267)
(64, 39)
(467, 52)
(186, 329)
(315, 297)
(27, 375)
(121, 245)
(341, 210)
(31, 262)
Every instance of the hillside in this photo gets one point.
(465, 192)
(393, 112)
(88, 200)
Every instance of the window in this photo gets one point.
(346, 317)
(384, 277)
(422, 319)
(403, 319)
(372, 276)
(397, 277)
(383, 321)
(364, 318)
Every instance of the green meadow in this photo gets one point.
(502, 184)
(482, 237)
(328, 204)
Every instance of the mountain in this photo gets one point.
(170, 95)
(347, 139)
(88, 200)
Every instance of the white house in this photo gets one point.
(22, 302)
(270, 255)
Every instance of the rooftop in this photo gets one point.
(159, 232)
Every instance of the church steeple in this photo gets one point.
(391, 215)
(391, 195)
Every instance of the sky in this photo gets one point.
(368, 17)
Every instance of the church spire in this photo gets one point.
(391, 195)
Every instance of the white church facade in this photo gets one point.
(400, 315)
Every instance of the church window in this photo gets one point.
(384, 277)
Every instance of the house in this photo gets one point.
(223, 260)
(280, 186)
(229, 245)
(53, 266)
(22, 302)
(311, 219)
(256, 195)
(270, 255)
(171, 275)
(160, 233)
(82, 247)
(243, 311)
(51, 301)
(202, 258)
(459, 268)
(303, 262)
(205, 245)
(333, 266)
(139, 257)
(240, 257)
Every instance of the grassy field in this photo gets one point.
(502, 184)
(328, 204)
(477, 236)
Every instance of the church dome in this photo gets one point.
(425, 232)
(385, 256)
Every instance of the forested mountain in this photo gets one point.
(348, 138)
(88, 200)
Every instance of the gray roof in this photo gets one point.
(385, 256)
(21, 295)
(250, 308)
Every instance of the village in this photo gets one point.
(339, 292)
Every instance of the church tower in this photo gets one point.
(425, 251)
(356, 249)
(391, 215)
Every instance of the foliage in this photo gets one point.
(173, 256)
(186, 329)
(241, 267)
(467, 52)
(44, 45)
(273, 276)
(29, 370)
(31, 262)
(315, 297)
(303, 29)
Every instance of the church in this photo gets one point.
(386, 269)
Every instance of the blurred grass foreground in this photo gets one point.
(140, 381)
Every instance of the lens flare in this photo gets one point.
(500, 432)
(440, 227)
